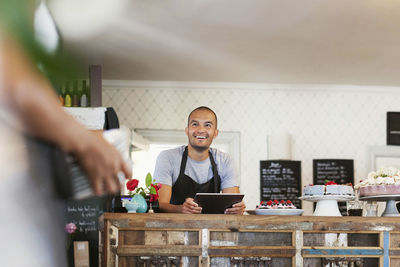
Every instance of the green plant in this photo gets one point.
(151, 188)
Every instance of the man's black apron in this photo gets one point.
(185, 186)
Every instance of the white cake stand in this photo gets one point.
(390, 209)
(327, 205)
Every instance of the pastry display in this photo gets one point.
(276, 204)
(385, 181)
(329, 188)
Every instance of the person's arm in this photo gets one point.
(229, 181)
(31, 97)
(238, 208)
(189, 206)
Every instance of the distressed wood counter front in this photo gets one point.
(248, 240)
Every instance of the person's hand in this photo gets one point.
(238, 208)
(102, 163)
(189, 206)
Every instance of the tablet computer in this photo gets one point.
(217, 203)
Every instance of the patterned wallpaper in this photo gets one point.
(339, 123)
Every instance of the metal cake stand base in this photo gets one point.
(390, 209)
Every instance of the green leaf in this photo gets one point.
(148, 180)
(153, 191)
(16, 20)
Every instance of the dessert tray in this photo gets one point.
(390, 209)
(287, 212)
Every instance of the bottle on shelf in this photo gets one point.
(67, 98)
(84, 99)
(75, 95)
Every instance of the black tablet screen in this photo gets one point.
(216, 203)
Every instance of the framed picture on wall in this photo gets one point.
(393, 128)
(383, 156)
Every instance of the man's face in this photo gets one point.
(202, 129)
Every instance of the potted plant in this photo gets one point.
(146, 197)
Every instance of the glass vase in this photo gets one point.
(142, 204)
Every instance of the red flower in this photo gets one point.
(155, 187)
(154, 197)
(132, 184)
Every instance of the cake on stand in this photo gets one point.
(327, 205)
(390, 209)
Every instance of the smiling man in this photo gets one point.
(196, 168)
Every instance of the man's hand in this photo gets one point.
(33, 100)
(238, 208)
(189, 206)
(102, 162)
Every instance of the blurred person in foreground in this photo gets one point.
(32, 218)
(196, 168)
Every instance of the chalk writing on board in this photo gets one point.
(339, 170)
(280, 180)
(84, 217)
(85, 214)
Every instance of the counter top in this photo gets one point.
(255, 222)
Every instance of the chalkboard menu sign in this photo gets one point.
(280, 180)
(84, 214)
(340, 171)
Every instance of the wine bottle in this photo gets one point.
(67, 99)
(84, 96)
(75, 95)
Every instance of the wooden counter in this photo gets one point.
(230, 240)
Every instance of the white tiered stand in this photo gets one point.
(327, 205)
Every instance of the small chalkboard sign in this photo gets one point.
(280, 180)
(85, 214)
(340, 171)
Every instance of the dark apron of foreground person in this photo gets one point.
(185, 186)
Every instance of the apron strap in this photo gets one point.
(217, 179)
(183, 162)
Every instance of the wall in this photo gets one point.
(324, 121)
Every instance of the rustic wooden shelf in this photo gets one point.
(225, 240)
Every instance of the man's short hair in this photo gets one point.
(204, 108)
